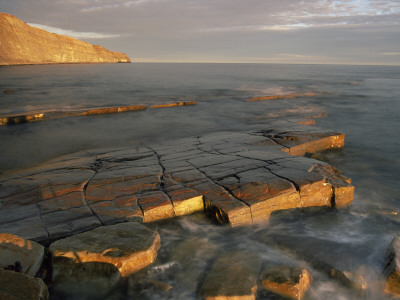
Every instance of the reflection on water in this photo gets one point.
(363, 102)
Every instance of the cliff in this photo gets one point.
(23, 44)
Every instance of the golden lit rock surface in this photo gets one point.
(238, 178)
(14, 249)
(23, 44)
(135, 248)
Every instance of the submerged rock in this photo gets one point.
(289, 282)
(232, 276)
(18, 286)
(16, 252)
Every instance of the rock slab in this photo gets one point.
(127, 246)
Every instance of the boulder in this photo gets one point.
(18, 286)
(291, 282)
(16, 250)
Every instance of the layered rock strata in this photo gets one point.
(237, 178)
(22, 44)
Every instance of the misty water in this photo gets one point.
(361, 101)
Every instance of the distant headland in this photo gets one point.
(22, 44)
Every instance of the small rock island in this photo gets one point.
(22, 44)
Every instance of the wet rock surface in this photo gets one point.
(237, 178)
(232, 276)
(291, 282)
(90, 208)
(14, 119)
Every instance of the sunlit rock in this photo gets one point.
(232, 276)
(184, 200)
(286, 281)
(100, 258)
(19, 286)
(156, 206)
(24, 44)
(16, 252)
(237, 178)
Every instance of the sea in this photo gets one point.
(361, 101)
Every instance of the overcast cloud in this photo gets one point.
(290, 31)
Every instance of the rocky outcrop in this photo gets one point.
(237, 178)
(19, 286)
(16, 252)
(23, 44)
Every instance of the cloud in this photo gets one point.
(390, 53)
(74, 34)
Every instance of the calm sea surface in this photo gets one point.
(361, 101)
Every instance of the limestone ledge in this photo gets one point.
(12, 119)
(22, 44)
(236, 178)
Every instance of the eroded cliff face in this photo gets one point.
(24, 44)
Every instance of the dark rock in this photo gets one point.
(19, 286)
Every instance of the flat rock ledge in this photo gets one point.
(237, 178)
(97, 260)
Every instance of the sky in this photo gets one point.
(239, 31)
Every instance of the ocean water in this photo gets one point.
(361, 101)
